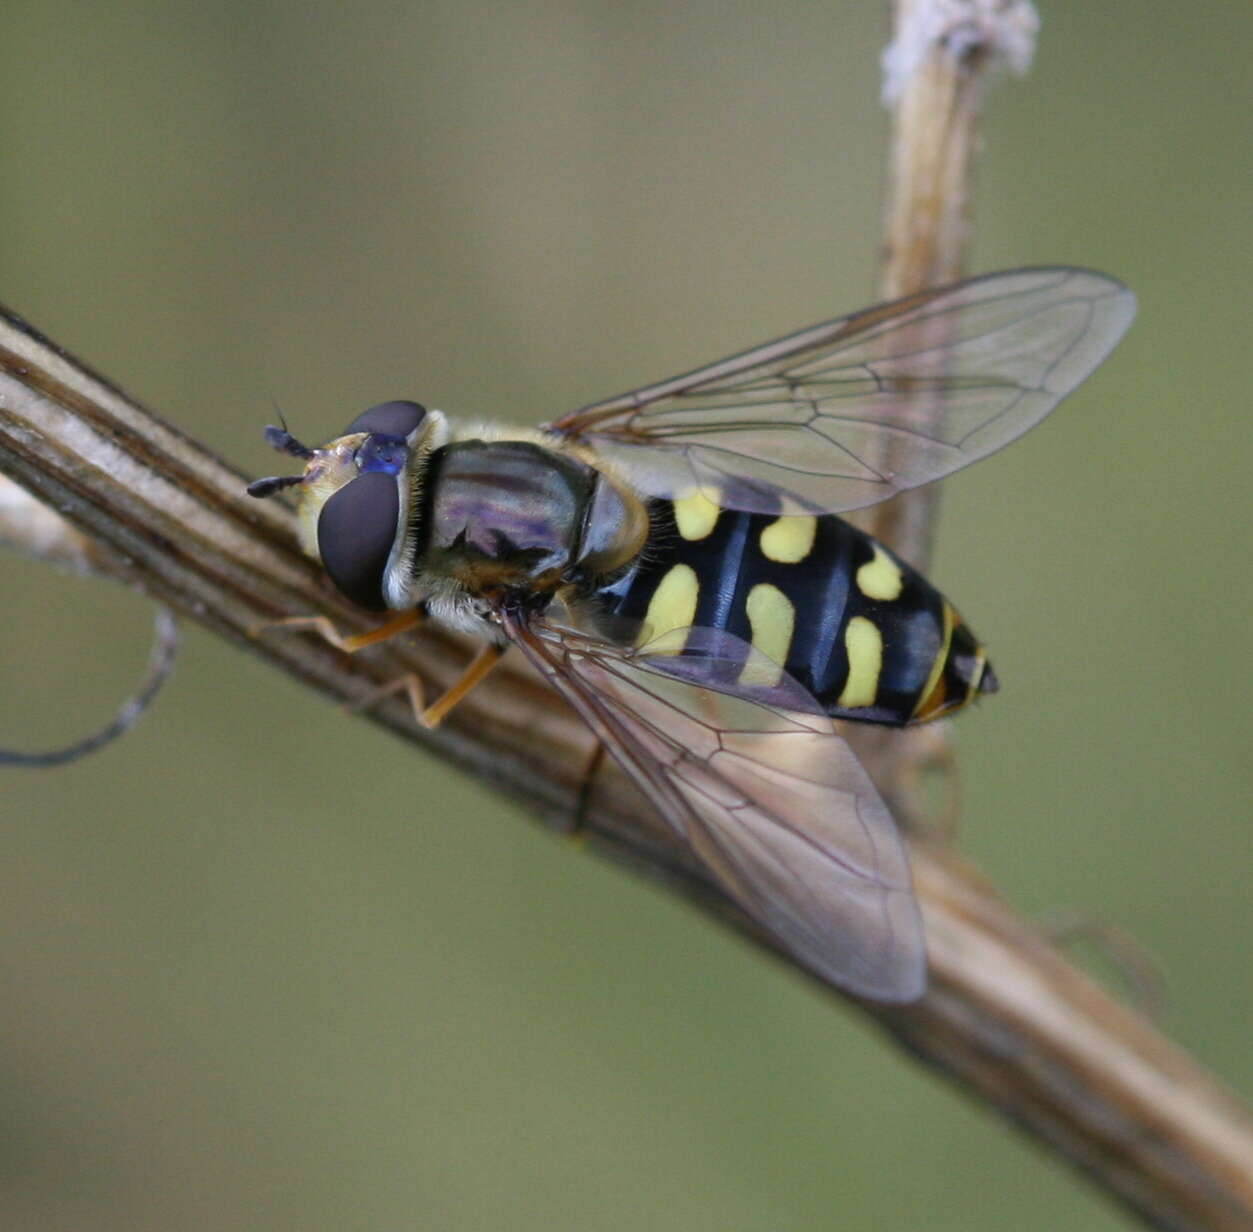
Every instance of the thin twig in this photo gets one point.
(160, 665)
(35, 530)
(935, 72)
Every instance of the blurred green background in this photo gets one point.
(265, 968)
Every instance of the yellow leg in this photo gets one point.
(434, 714)
(321, 625)
(480, 665)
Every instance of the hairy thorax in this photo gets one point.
(515, 519)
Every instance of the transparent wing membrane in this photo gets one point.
(847, 413)
(762, 789)
(737, 756)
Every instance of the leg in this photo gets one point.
(408, 684)
(321, 625)
(584, 799)
(480, 665)
(433, 715)
(1132, 961)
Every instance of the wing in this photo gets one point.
(847, 413)
(764, 792)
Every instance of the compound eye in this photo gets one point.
(389, 419)
(356, 531)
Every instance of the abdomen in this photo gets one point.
(864, 632)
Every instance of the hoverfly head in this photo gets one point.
(358, 497)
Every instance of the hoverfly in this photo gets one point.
(671, 562)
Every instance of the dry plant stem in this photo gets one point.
(935, 76)
(160, 665)
(935, 127)
(1006, 1016)
(949, 47)
(33, 529)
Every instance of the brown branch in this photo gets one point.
(38, 531)
(936, 71)
(935, 75)
(1006, 1016)
(1076, 1040)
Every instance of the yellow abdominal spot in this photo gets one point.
(696, 515)
(772, 617)
(673, 605)
(864, 644)
(880, 578)
(937, 666)
(789, 539)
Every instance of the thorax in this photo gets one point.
(517, 518)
